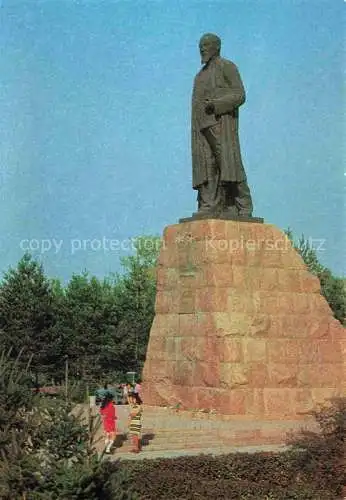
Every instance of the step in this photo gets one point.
(191, 442)
(193, 439)
(148, 427)
(144, 454)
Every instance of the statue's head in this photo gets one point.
(209, 46)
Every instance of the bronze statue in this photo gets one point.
(218, 172)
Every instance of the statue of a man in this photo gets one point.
(218, 172)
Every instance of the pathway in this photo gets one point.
(168, 434)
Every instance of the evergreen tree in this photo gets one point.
(26, 314)
(87, 323)
(100, 327)
(46, 452)
(136, 291)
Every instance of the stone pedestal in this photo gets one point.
(240, 326)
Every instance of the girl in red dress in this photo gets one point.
(108, 415)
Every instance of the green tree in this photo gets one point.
(333, 288)
(27, 314)
(46, 452)
(136, 291)
(87, 325)
(100, 326)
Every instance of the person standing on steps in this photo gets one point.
(138, 389)
(135, 421)
(109, 417)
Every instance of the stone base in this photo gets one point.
(240, 325)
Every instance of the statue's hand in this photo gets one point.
(210, 108)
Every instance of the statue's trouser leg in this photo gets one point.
(210, 193)
(243, 200)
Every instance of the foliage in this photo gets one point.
(46, 453)
(334, 291)
(136, 291)
(16, 406)
(322, 454)
(258, 476)
(95, 330)
(26, 314)
(86, 322)
(333, 288)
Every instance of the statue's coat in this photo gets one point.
(225, 89)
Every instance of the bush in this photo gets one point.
(46, 452)
(260, 476)
(321, 455)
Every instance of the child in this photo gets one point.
(138, 389)
(108, 415)
(129, 391)
(125, 393)
(135, 421)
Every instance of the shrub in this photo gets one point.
(259, 476)
(46, 452)
(321, 455)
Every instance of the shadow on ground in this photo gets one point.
(120, 440)
(123, 439)
(146, 438)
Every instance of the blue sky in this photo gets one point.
(95, 121)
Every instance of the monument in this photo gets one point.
(218, 174)
(241, 326)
